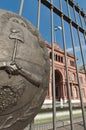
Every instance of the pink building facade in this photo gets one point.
(60, 76)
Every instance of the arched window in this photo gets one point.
(61, 59)
(50, 55)
(72, 63)
(56, 57)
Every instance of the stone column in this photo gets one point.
(71, 87)
(61, 92)
(78, 97)
(64, 92)
(50, 89)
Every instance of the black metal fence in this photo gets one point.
(80, 29)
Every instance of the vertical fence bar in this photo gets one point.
(60, 1)
(20, 13)
(81, 98)
(68, 10)
(80, 43)
(79, 86)
(21, 7)
(38, 19)
(80, 18)
(85, 25)
(85, 19)
(82, 26)
(82, 54)
(85, 37)
(67, 77)
(74, 13)
(53, 70)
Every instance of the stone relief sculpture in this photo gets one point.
(24, 71)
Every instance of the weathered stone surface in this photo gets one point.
(24, 71)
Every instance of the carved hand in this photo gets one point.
(12, 68)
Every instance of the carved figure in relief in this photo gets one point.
(18, 37)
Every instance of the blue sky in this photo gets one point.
(30, 13)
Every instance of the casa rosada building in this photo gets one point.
(60, 76)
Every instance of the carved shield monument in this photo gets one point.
(24, 71)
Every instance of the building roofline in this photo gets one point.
(55, 49)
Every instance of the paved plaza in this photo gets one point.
(60, 125)
(78, 126)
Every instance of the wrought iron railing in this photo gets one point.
(73, 24)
